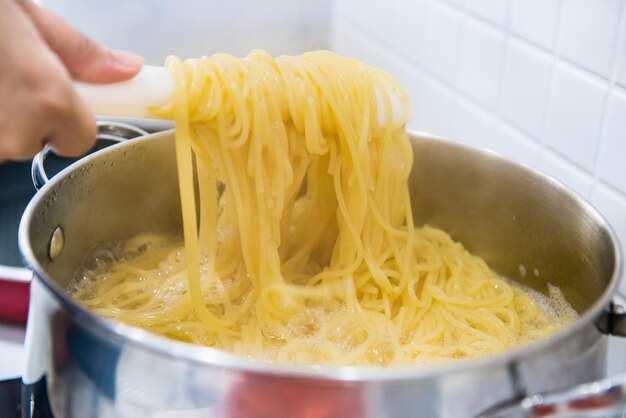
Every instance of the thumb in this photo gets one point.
(85, 59)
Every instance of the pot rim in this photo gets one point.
(208, 356)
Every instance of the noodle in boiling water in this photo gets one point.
(304, 250)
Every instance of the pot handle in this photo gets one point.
(596, 399)
(107, 131)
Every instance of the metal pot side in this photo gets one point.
(527, 226)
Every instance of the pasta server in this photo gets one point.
(154, 86)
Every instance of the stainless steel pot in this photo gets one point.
(527, 226)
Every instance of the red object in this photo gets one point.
(283, 397)
(14, 298)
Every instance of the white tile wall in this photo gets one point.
(407, 33)
(536, 21)
(441, 40)
(621, 52)
(540, 81)
(588, 33)
(480, 61)
(574, 115)
(473, 123)
(515, 145)
(554, 165)
(613, 151)
(458, 3)
(525, 86)
(494, 11)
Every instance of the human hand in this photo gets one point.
(40, 54)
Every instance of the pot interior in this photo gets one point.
(527, 227)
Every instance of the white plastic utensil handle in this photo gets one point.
(154, 86)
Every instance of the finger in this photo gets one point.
(60, 119)
(20, 144)
(85, 59)
(70, 128)
(75, 134)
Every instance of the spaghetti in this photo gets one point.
(305, 250)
